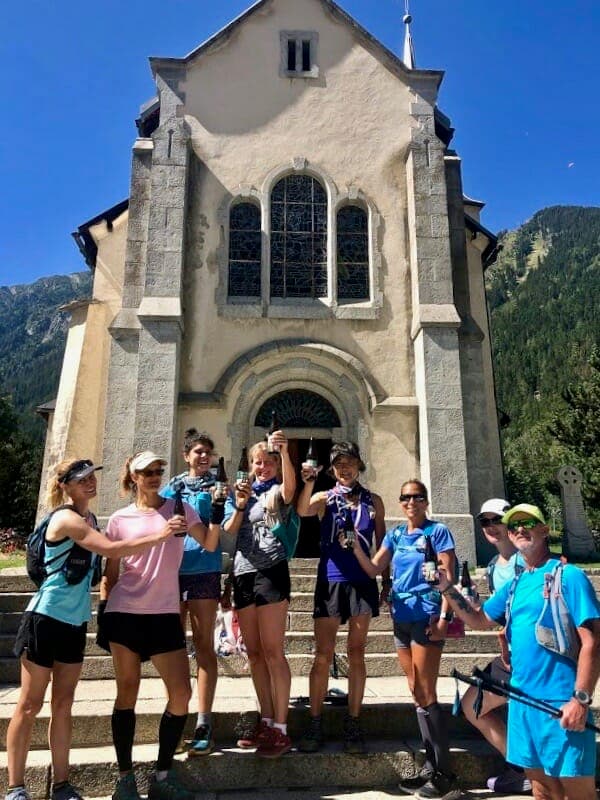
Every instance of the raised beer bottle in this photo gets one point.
(311, 461)
(349, 531)
(243, 470)
(178, 509)
(271, 447)
(466, 584)
(220, 494)
(431, 559)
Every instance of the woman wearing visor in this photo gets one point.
(141, 620)
(52, 635)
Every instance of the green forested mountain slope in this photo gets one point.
(32, 340)
(544, 295)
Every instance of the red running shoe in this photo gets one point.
(274, 745)
(254, 737)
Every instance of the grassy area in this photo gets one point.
(8, 560)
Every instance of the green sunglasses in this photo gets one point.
(527, 524)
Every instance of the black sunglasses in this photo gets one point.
(486, 521)
(151, 473)
(418, 498)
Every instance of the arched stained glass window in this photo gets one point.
(244, 250)
(352, 253)
(298, 238)
(298, 408)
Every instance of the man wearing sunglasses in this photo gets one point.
(491, 721)
(558, 754)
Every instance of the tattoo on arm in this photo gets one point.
(462, 602)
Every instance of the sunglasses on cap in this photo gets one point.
(527, 524)
(418, 498)
(486, 522)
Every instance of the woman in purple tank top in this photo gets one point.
(344, 592)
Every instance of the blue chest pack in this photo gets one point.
(75, 566)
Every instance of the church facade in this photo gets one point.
(296, 239)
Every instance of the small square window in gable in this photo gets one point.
(299, 54)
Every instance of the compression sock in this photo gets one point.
(123, 731)
(429, 764)
(435, 733)
(169, 734)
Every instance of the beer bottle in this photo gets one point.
(272, 448)
(243, 470)
(311, 456)
(430, 565)
(349, 531)
(220, 494)
(178, 509)
(466, 584)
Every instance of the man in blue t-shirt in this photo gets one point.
(490, 721)
(558, 754)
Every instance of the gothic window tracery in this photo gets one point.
(352, 253)
(298, 408)
(245, 247)
(298, 238)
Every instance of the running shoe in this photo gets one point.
(18, 793)
(440, 787)
(354, 739)
(254, 736)
(169, 789)
(203, 741)
(273, 745)
(126, 788)
(312, 740)
(510, 782)
(65, 791)
(411, 785)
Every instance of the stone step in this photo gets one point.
(302, 642)
(93, 770)
(378, 665)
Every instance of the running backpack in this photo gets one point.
(76, 565)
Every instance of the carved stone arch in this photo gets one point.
(326, 371)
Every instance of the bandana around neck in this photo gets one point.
(260, 487)
(196, 483)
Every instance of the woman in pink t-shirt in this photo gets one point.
(141, 619)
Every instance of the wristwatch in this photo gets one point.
(582, 697)
(448, 616)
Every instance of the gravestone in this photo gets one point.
(578, 539)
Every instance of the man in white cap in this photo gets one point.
(490, 720)
(552, 619)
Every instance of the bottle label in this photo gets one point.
(241, 476)
(272, 448)
(311, 463)
(220, 491)
(430, 571)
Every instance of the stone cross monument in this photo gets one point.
(579, 543)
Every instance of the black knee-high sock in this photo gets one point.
(429, 764)
(123, 731)
(434, 731)
(169, 734)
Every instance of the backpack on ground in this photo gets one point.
(76, 565)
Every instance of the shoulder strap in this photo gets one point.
(489, 571)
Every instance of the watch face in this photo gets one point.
(582, 697)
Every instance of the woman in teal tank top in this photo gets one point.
(52, 636)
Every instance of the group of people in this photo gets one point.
(164, 563)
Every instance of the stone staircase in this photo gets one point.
(388, 716)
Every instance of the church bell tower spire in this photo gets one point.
(408, 55)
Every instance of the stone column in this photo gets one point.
(160, 313)
(119, 422)
(435, 334)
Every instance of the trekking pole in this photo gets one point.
(483, 682)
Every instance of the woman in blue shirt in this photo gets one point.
(199, 579)
(420, 625)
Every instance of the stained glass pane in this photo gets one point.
(298, 408)
(245, 247)
(352, 254)
(298, 238)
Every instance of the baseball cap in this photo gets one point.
(525, 508)
(78, 470)
(495, 505)
(348, 449)
(142, 460)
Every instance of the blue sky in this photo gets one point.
(521, 88)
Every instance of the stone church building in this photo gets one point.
(296, 238)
